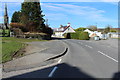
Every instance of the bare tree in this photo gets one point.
(92, 27)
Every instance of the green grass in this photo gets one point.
(19, 39)
(10, 45)
(9, 48)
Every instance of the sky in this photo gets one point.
(78, 13)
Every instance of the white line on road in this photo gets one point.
(51, 74)
(54, 69)
(59, 60)
(88, 46)
(108, 56)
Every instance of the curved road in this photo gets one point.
(84, 59)
(87, 59)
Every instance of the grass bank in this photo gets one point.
(11, 45)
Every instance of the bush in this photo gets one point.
(5, 32)
(20, 26)
(47, 30)
(84, 36)
(77, 35)
(41, 36)
(74, 35)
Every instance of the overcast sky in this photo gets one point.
(79, 14)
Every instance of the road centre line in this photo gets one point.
(59, 60)
(54, 69)
(52, 72)
(108, 56)
(88, 46)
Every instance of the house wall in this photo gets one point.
(114, 36)
(69, 30)
(60, 34)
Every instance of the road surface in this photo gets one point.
(88, 59)
(84, 59)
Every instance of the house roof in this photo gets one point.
(116, 28)
(61, 29)
(93, 35)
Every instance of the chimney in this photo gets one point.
(68, 24)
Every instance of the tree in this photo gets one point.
(16, 17)
(31, 12)
(93, 28)
(107, 29)
(80, 29)
(31, 17)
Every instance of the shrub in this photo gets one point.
(41, 36)
(5, 32)
(84, 36)
(47, 30)
(77, 35)
(19, 25)
(74, 35)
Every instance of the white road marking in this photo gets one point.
(108, 56)
(88, 46)
(59, 60)
(54, 69)
(52, 72)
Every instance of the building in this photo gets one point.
(114, 34)
(59, 32)
(5, 25)
(6, 18)
(93, 34)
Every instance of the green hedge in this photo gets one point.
(5, 32)
(77, 35)
(84, 36)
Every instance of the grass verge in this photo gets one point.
(11, 45)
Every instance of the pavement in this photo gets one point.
(36, 56)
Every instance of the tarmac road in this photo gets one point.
(88, 59)
(84, 59)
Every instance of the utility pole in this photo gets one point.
(96, 25)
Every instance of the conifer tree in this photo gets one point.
(32, 14)
(16, 17)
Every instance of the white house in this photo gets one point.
(114, 34)
(62, 30)
(93, 33)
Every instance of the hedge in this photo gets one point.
(84, 36)
(77, 35)
(5, 32)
